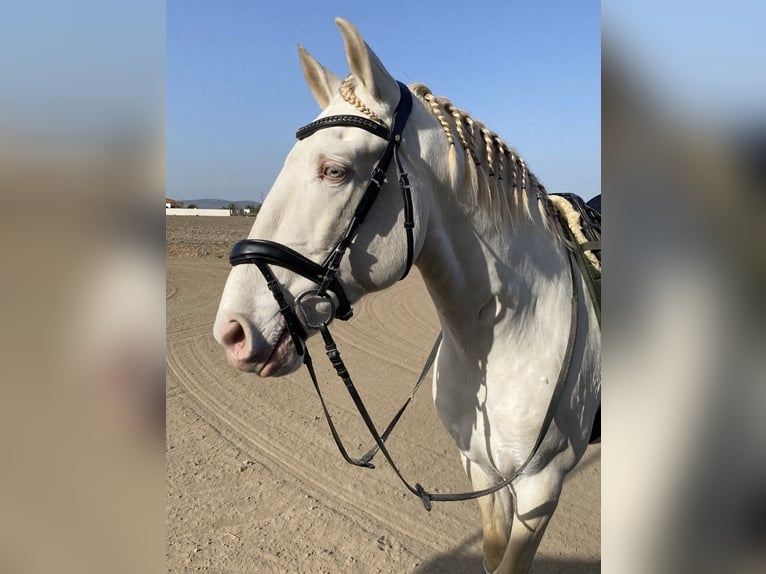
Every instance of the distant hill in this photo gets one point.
(217, 203)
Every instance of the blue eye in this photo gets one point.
(334, 171)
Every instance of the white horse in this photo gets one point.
(494, 263)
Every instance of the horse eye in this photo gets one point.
(334, 171)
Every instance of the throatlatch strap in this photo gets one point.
(409, 219)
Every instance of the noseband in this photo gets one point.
(317, 308)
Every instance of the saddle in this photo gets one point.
(581, 225)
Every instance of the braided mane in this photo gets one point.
(503, 186)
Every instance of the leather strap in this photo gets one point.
(591, 246)
(293, 325)
(552, 405)
(378, 178)
(426, 497)
(409, 219)
(261, 252)
(395, 419)
(346, 121)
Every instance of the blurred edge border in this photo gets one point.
(82, 165)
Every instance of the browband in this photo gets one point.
(345, 120)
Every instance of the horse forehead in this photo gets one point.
(339, 142)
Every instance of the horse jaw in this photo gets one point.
(248, 324)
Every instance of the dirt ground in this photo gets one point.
(254, 480)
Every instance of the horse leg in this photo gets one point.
(496, 515)
(536, 498)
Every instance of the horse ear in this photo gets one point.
(366, 66)
(322, 82)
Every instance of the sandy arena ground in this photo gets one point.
(254, 480)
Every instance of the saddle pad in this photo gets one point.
(581, 224)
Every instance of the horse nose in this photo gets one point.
(233, 337)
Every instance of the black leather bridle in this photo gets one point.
(264, 253)
(317, 307)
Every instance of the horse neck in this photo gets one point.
(490, 279)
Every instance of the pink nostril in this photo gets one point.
(234, 338)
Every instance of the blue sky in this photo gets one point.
(531, 71)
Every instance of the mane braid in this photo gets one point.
(499, 192)
(347, 92)
(503, 185)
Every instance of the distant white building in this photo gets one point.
(195, 211)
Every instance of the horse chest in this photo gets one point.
(492, 429)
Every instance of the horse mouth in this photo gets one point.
(281, 358)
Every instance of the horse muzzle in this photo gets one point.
(263, 252)
(314, 308)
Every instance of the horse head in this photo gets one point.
(316, 196)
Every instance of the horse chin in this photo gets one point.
(280, 370)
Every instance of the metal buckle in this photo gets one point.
(315, 310)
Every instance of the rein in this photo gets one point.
(317, 307)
